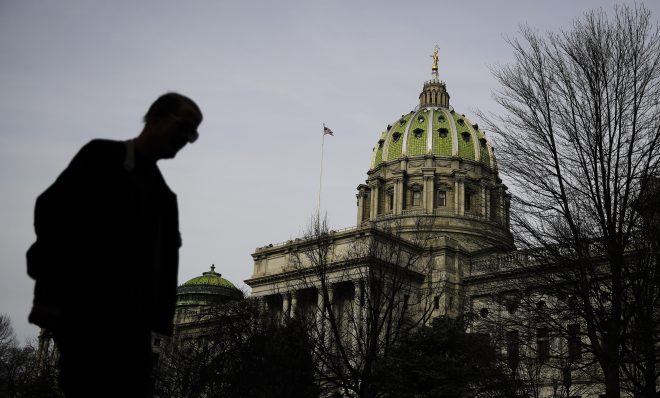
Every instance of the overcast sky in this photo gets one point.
(265, 74)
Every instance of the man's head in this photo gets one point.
(170, 123)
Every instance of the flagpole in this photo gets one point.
(318, 209)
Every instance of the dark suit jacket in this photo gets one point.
(106, 254)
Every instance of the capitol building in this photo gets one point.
(432, 239)
(433, 179)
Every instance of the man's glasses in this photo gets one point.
(186, 127)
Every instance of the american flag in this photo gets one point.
(327, 131)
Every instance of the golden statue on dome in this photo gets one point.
(434, 69)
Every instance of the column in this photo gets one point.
(261, 304)
(487, 204)
(459, 194)
(429, 188)
(359, 308)
(293, 303)
(326, 328)
(398, 195)
(360, 203)
(373, 214)
(484, 203)
(320, 310)
(285, 305)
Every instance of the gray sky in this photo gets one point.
(266, 74)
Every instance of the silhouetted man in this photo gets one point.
(106, 256)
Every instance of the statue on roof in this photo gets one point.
(435, 59)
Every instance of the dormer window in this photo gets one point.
(389, 126)
(420, 119)
(466, 136)
(441, 119)
(402, 121)
(443, 132)
(418, 132)
(380, 144)
(482, 141)
(461, 122)
(396, 136)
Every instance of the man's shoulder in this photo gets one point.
(100, 152)
(101, 146)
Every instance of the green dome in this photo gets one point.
(210, 278)
(207, 289)
(433, 128)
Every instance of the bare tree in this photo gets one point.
(233, 352)
(27, 370)
(359, 294)
(580, 143)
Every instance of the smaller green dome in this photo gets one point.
(207, 289)
(210, 278)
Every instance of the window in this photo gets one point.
(443, 132)
(402, 121)
(390, 200)
(436, 302)
(513, 348)
(451, 302)
(380, 143)
(420, 119)
(396, 136)
(484, 312)
(418, 132)
(483, 142)
(461, 122)
(574, 342)
(493, 205)
(442, 198)
(441, 119)
(466, 136)
(417, 198)
(540, 305)
(468, 201)
(542, 345)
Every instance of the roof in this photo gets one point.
(204, 289)
(433, 128)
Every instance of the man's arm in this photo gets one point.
(62, 222)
